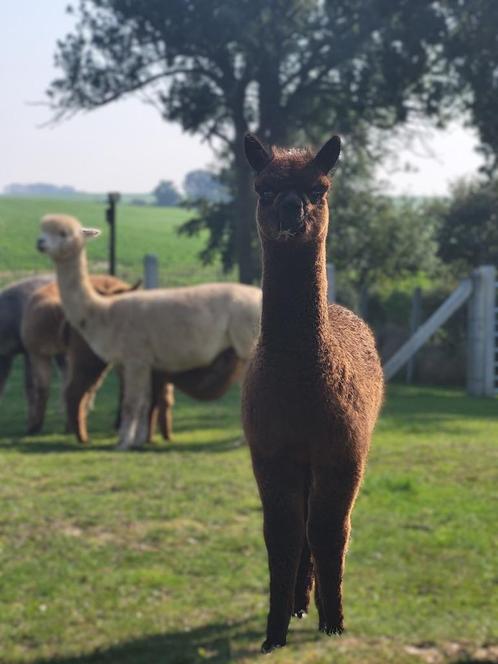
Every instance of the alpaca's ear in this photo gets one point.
(89, 233)
(326, 158)
(256, 154)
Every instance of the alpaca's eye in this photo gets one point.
(62, 233)
(267, 196)
(316, 195)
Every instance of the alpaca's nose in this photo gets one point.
(291, 211)
(41, 245)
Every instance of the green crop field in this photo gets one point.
(140, 230)
(158, 557)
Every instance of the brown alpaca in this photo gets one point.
(312, 392)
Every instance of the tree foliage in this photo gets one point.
(471, 57)
(204, 185)
(468, 234)
(289, 70)
(166, 194)
(375, 238)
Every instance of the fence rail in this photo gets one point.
(459, 296)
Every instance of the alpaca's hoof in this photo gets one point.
(300, 613)
(123, 445)
(138, 446)
(335, 629)
(269, 646)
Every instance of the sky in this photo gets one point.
(127, 146)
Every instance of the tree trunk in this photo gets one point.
(245, 233)
(364, 301)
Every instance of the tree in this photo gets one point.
(166, 194)
(202, 184)
(288, 70)
(375, 238)
(468, 234)
(471, 57)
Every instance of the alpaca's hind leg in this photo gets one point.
(161, 409)
(165, 415)
(282, 489)
(304, 583)
(29, 387)
(331, 502)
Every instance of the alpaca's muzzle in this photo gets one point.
(291, 213)
(41, 244)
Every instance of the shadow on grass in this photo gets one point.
(433, 403)
(217, 643)
(62, 445)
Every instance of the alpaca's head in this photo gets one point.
(62, 237)
(292, 187)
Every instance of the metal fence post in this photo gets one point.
(110, 215)
(415, 318)
(151, 271)
(480, 338)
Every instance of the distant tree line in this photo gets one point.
(41, 189)
(198, 185)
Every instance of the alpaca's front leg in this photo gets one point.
(42, 373)
(143, 423)
(134, 426)
(5, 366)
(282, 490)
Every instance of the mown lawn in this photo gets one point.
(140, 230)
(144, 558)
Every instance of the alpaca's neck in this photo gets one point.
(295, 308)
(78, 297)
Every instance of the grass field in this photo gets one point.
(140, 230)
(158, 557)
(145, 558)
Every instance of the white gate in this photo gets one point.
(496, 340)
(482, 337)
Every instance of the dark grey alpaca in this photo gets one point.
(13, 299)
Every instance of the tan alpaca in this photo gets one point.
(172, 330)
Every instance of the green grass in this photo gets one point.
(140, 230)
(145, 558)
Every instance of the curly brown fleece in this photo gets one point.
(312, 393)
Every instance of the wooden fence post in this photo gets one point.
(480, 338)
(151, 271)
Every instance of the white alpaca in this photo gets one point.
(173, 330)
